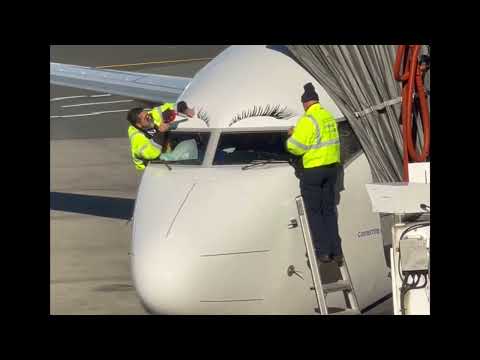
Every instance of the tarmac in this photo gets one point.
(93, 183)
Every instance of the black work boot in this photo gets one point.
(324, 258)
(338, 259)
(320, 258)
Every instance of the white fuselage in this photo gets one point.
(214, 239)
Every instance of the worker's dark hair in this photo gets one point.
(132, 115)
(182, 106)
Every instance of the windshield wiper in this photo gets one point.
(158, 161)
(263, 162)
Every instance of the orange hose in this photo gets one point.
(402, 54)
(409, 100)
(398, 61)
(412, 81)
(424, 112)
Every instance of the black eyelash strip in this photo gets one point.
(275, 111)
(202, 114)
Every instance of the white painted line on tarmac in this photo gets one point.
(101, 95)
(89, 114)
(97, 103)
(78, 96)
(68, 97)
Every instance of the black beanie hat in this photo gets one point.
(309, 93)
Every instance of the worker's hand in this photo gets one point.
(190, 112)
(163, 127)
(290, 131)
(183, 108)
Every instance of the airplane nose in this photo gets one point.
(160, 260)
(200, 247)
(159, 280)
(159, 200)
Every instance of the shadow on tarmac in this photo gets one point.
(110, 207)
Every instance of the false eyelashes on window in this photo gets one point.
(275, 111)
(202, 115)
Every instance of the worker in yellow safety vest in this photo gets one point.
(316, 139)
(147, 131)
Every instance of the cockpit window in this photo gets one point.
(187, 148)
(244, 147)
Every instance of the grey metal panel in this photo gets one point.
(150, 87)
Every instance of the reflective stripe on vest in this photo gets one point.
(132, 135)
(140, 151)
(138, 162)
(318, 144)
(309, 144)
(156, 114)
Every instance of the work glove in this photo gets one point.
(183, 108)
(169, 116)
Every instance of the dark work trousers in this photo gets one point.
(318, 188)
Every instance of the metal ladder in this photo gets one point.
(321, 290)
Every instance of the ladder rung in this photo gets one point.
(340, 285)
(347, 312)
(321, 290)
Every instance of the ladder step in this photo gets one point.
(321, 288)
(340, 285)
(347, 312)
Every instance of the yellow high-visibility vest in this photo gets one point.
(141, 147)
(315, 138)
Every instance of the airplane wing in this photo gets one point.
(150, 87)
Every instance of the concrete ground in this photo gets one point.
(93, 183)
(386, 308)
(89, 264)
